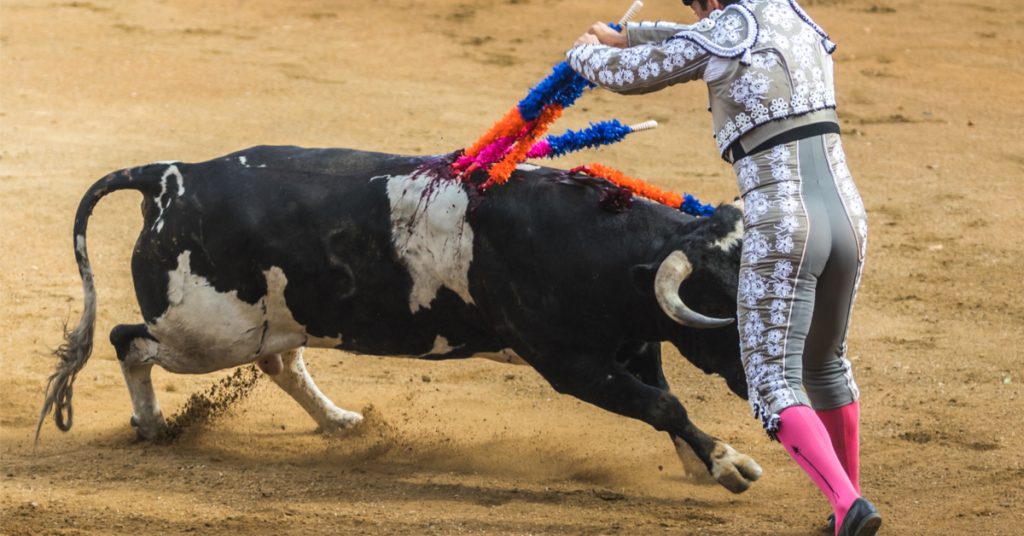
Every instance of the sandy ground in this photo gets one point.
(930, 97)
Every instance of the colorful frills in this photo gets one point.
(603, 133)
(686, 203)
(516, 137)
(598, 134)
(510, 139)
(501, 171)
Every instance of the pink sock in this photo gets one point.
(843, 428)
(807, 442)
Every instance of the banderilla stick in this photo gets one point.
(630, 13)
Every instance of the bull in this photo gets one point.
(255, 255)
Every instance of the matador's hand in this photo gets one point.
(606, 35)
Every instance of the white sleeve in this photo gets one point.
(642, 68)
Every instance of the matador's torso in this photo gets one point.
(767, 65)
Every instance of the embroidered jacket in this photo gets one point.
(768, 67)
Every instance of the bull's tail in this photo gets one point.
(77, 346)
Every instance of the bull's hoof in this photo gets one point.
(148, 431)
(340, 422)
(733, 470)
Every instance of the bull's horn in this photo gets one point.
(671, 274)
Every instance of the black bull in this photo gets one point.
(254, 255)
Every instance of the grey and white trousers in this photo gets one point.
(805, 236)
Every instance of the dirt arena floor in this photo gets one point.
(930, 99)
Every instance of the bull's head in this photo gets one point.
(703, 269)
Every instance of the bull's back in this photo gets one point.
(563, 258)
(276, 247)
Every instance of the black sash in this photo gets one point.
(736, 152)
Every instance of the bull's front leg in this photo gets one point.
(634, 385)
(733, 470)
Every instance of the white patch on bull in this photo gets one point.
(206, 330)
(527, 167)
(727, 242)
(137, 369)
(441, 347)
(431, 236)
(507, 356)
(241, 160)
(294, 378)
(170, 172)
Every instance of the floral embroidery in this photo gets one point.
(804, 54)
(747, 174)
(779, 108)
(765, 61)
(788, 224)
(755, 204)
(848, 190)
(728, 30)
(781, 173)
(649, 70)
(623, 68)
(677, 54)
(788, 188)
(779, 155)
(751, 288)
(781, 288)
(727, 33)
(783, 269)
(780, 15)
(784, 244)
(768, 287)
(624, 77)
(753, 329)
(800, 104)
(631, 57)
(767, 284)
(760, 113)
(728, 133)
(742, 121)
(778, 311)
(788, 204)
(774, 342)
(786, 38)
(749, 88)
(755, 246)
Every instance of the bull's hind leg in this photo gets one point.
(733, 470)
(288, 370)
(135, 349)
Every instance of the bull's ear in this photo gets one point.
(642, 276)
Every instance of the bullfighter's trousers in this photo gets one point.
(805, 236)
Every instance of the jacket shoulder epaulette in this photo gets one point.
(726, 33)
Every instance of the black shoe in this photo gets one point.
(830, 523)
(862, 519)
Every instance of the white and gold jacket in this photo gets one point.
(767, 65)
